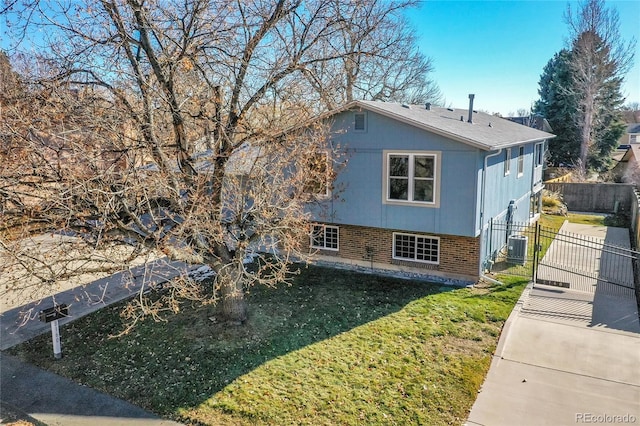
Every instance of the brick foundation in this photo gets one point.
(459, 256)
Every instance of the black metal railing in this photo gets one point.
(550, 256)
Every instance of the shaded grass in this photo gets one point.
(336, 347)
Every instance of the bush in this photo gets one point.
(552, 203)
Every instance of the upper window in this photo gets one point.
(520, 161)
(325, 237)
(360, 122)
(634, 138)
(318, 178)
(411, 177)
(417, 248)
(539, 154)
(507, 161)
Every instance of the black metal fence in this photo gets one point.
(560, 258)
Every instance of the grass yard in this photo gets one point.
(336, 347)
(555, 222)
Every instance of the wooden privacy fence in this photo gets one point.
(595, 197)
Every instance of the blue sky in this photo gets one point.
(498, 49)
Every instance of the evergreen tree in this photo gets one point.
(580, 89)
(609, 126)
(558, 105)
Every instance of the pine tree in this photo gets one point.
(558, 105)
(580, 89)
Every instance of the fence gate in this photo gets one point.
(560, 258)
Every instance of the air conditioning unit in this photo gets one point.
(517, 249)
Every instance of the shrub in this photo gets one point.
(552, 203)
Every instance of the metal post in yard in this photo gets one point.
(55, 337)
(52, 315)
(536, 253)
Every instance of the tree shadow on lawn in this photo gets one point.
(165, 366)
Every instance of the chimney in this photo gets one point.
(471, 96)
(427, 106)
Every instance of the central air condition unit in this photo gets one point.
(517, 249)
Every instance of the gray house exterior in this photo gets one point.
(422, 184)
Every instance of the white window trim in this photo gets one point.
(436, 178)
(507, 162)
(364, 114)
(431, 237)
(520, 161)
(324, 239)
(538, 146)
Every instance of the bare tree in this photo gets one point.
(631, 112)
(600, 59)
(162, 132)
(384, 63)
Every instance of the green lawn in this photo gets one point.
(555, 222)
(336, 347)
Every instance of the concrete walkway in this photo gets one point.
(55, 400)
(19, 324)
(566, 356)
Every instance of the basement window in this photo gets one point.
(416, 248)
(325, 237)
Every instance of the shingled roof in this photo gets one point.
(633, 128)
(486, 131)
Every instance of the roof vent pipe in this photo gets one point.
(471, 96)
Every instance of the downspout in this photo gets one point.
(491, 280)
(482, 200)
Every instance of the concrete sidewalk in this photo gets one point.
(565, 357)
(55, 400)
(19, 324)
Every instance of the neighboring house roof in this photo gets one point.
(621, 155)
(240, 162)
(487, 132)
(633, 128)
(535, 121)
(627, 165)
